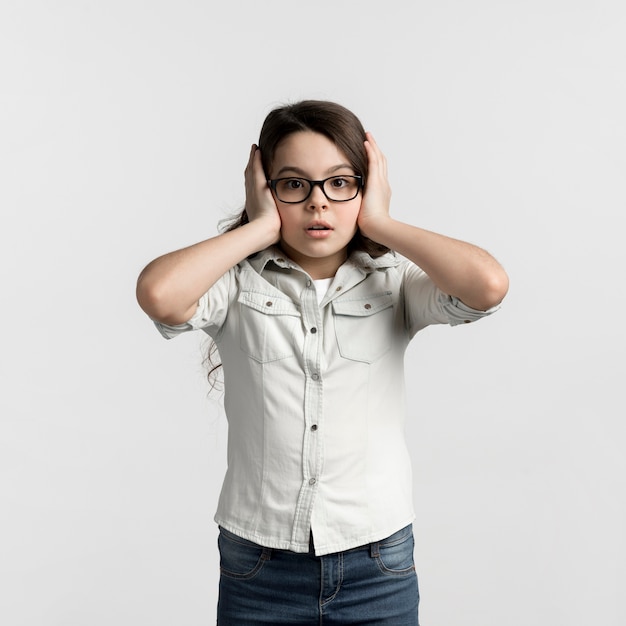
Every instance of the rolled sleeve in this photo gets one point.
(210, 313)
(197, 322)
(459, 313)
(426, 304)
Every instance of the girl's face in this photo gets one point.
(315, 233)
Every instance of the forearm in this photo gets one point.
(458, 268)
(168, 289)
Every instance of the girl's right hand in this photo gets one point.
(260, 203)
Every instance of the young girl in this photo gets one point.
(311, 313)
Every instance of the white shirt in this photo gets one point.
(321, 286)
(315, 397)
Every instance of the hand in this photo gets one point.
(260, 203)
(377, 195)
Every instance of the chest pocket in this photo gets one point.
(269, 326)
(364, 326)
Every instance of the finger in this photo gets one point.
(253, 150)
(255, 176)
(374, 150)
(370, 139)
(377, 164)
(372, 157)
(381, 160)
(258, 172)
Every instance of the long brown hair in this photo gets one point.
(336, 123)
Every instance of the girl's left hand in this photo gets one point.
(377, 195)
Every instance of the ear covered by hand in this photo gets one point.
(377, 194)
(260, 203)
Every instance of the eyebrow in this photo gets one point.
(301, 172)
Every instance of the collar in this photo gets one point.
(274, 257)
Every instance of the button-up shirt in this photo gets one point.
(315, 396)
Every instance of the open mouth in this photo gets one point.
(318, 225)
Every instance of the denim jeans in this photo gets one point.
(373, 584)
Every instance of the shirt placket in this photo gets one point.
(312, 449)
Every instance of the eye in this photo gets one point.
(293, 183)
(338, 182)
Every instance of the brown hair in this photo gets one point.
(336, 123)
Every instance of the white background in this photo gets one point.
(125, 129)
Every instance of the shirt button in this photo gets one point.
(313, 330)
(467, 321)
(368, 306)
(280, 260)
(314, 427)
(308, 283)
(315, 376)
(312, 481)
(269, 303)
(338, 288)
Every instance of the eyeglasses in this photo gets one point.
(336, 188)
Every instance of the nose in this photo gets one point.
(317, 199)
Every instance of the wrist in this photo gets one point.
(265, 230)
(376, 227)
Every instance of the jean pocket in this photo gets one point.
(395, 554)
(239, 558)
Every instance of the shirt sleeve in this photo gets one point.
(426, 304)
(211, 311)
(459, 313)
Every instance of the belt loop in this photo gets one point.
(266, 555)
(374, 549)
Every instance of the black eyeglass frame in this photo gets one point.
(319, 183)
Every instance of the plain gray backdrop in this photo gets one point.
(125, 126)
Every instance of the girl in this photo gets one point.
(311, 312)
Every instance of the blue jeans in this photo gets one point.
(373, 584)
